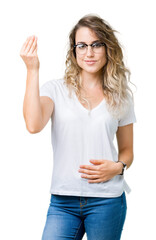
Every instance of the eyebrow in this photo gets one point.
(91, 42)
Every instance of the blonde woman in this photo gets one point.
(88, 107)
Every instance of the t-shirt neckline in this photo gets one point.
(85, 109)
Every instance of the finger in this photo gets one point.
(95, 181)
(91, 172)
(96, 161)
(90, 167)
(29, 44)
(90, 176)
(24, 46)
(33, 47)
(35, 51)
(26, 43)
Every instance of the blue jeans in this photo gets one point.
(69, 217)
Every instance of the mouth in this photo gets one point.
(90, 62)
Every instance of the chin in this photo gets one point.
(91, 70)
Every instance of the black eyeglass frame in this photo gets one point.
(102, 44)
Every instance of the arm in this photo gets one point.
(31, 106)
(103, 170)
(125, 145)
(36, 110)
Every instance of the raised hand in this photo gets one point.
(29, 53)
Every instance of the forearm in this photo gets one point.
(31, 106)
(125, 156)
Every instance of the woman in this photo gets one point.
(89, 106)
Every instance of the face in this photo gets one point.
(89, 62)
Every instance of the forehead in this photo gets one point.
(84, 34)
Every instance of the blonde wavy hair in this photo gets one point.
(115, 75)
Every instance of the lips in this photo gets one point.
(90, 62)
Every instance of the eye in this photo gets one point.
(81, 46)
(97, 45)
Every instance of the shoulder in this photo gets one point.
(53, 83)
(57, 82)
(55, 88)
(128, 113)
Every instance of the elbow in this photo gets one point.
(131, 154)
(33, 129)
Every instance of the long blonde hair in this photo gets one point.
(115, 75)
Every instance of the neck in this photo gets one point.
(91, 80)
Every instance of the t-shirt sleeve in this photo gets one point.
(48, 89)
(129, 117)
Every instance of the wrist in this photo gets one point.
(32, 70)
(119, 166)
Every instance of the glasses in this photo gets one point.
(81, 48)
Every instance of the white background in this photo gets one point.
(26, 159)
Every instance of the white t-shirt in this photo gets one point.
(76, 138)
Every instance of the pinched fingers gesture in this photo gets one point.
(29, 53)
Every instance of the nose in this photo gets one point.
(89, 51)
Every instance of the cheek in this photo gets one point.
(103, 60)
(79, 60)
